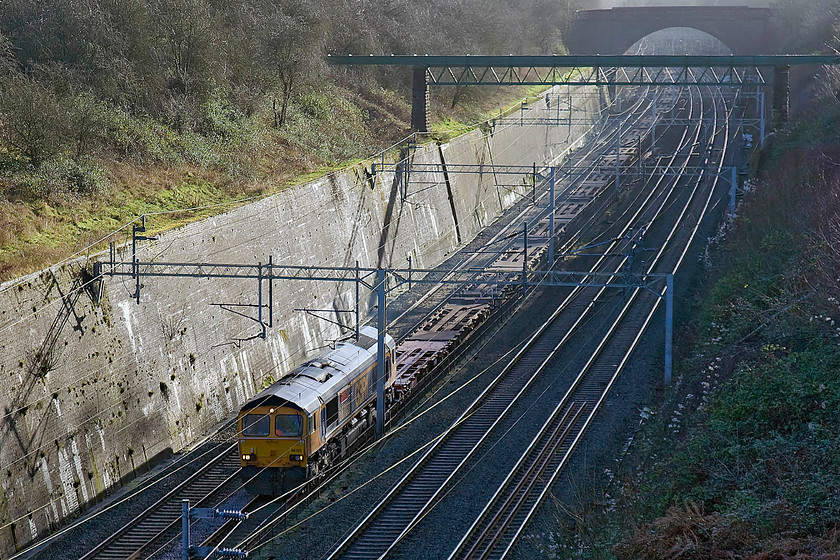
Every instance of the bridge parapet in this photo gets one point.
(744, 30)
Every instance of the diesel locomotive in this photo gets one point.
(301, 425)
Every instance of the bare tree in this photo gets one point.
(32, 119)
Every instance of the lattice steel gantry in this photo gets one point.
(590, 70)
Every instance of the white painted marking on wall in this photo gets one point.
(45, 471)
(126, 309)
(65, 471)
(225, 377)
(78, 462)
(101, 431)
(177, 397)
(364, 245)
(54, 510)
(106, 477)
(33, 529)
(246, 372)
(434, 223)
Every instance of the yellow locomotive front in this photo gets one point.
(272, 447)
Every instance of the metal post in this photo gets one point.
(357, 301)
(524, 256)
(653, 126)
(618, 159)
(534, 183)
(551, 178)
(270, 291)
(733, 179)
(136, 270)
(669, 327)
(409, 272)
(133, 250)
(420, 100)
(569, 91)
(185, 530)
(639, 155)
(260, 299)
(380, 353)
(762, 121)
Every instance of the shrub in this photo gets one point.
(64, 179)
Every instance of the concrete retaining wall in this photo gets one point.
(92, 393)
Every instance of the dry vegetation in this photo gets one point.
(741, 459)
(113, 109)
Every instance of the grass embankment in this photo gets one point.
(742, 459)
(50, 212)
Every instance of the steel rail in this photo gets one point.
(505, 513)
(601, 291)
(467, 414)
(640, 331)
(133, 538)
(514, 223)
(244, 542)
(176, 520)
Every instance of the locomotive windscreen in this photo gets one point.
(288, 425)
(256, 425)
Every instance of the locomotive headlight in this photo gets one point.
(248, 456)
(296, 457)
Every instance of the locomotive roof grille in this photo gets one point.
(309, 385)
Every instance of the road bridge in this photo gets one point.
(742, 29)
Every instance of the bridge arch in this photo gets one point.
(679, 41)
(742, 29)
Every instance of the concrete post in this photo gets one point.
(420, 100)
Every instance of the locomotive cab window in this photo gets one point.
(256, 425)
(288, 425)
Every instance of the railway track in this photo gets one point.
(407, 503)
(164, 516)
(422, 349)
(452, 318)
(498, 526)
(161, 519)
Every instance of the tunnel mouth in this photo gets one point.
(679, 41)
